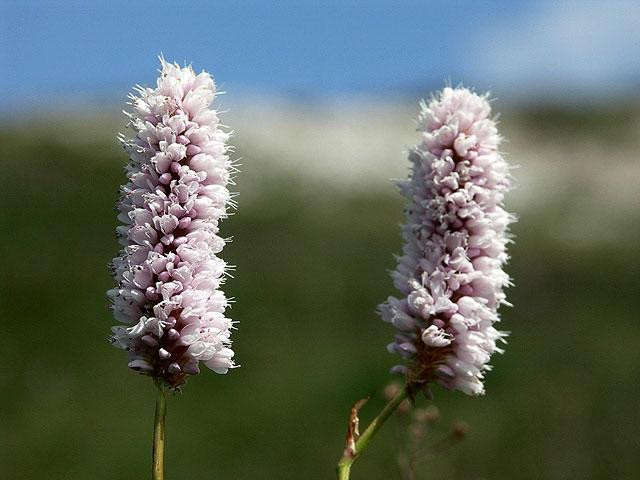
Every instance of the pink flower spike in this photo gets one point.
(450, 274)
(161, 293)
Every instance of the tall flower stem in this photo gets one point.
(157, 471)
(350, 455)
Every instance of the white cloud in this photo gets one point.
(570, 46)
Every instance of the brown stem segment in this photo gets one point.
(157, 469)
(350, 455)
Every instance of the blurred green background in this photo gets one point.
(312, 245)
(322, 97)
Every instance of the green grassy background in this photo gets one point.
(563, 402)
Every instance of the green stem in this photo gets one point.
(344, 469)
(157, 470)
(344, 465)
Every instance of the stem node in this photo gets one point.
(355, 446)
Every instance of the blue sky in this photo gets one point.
(55, 49)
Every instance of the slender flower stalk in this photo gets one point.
(157, 456)
(450, 274)
(168, 299)
(357, 443)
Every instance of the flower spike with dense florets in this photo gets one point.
(168, 274)
(450, 273)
